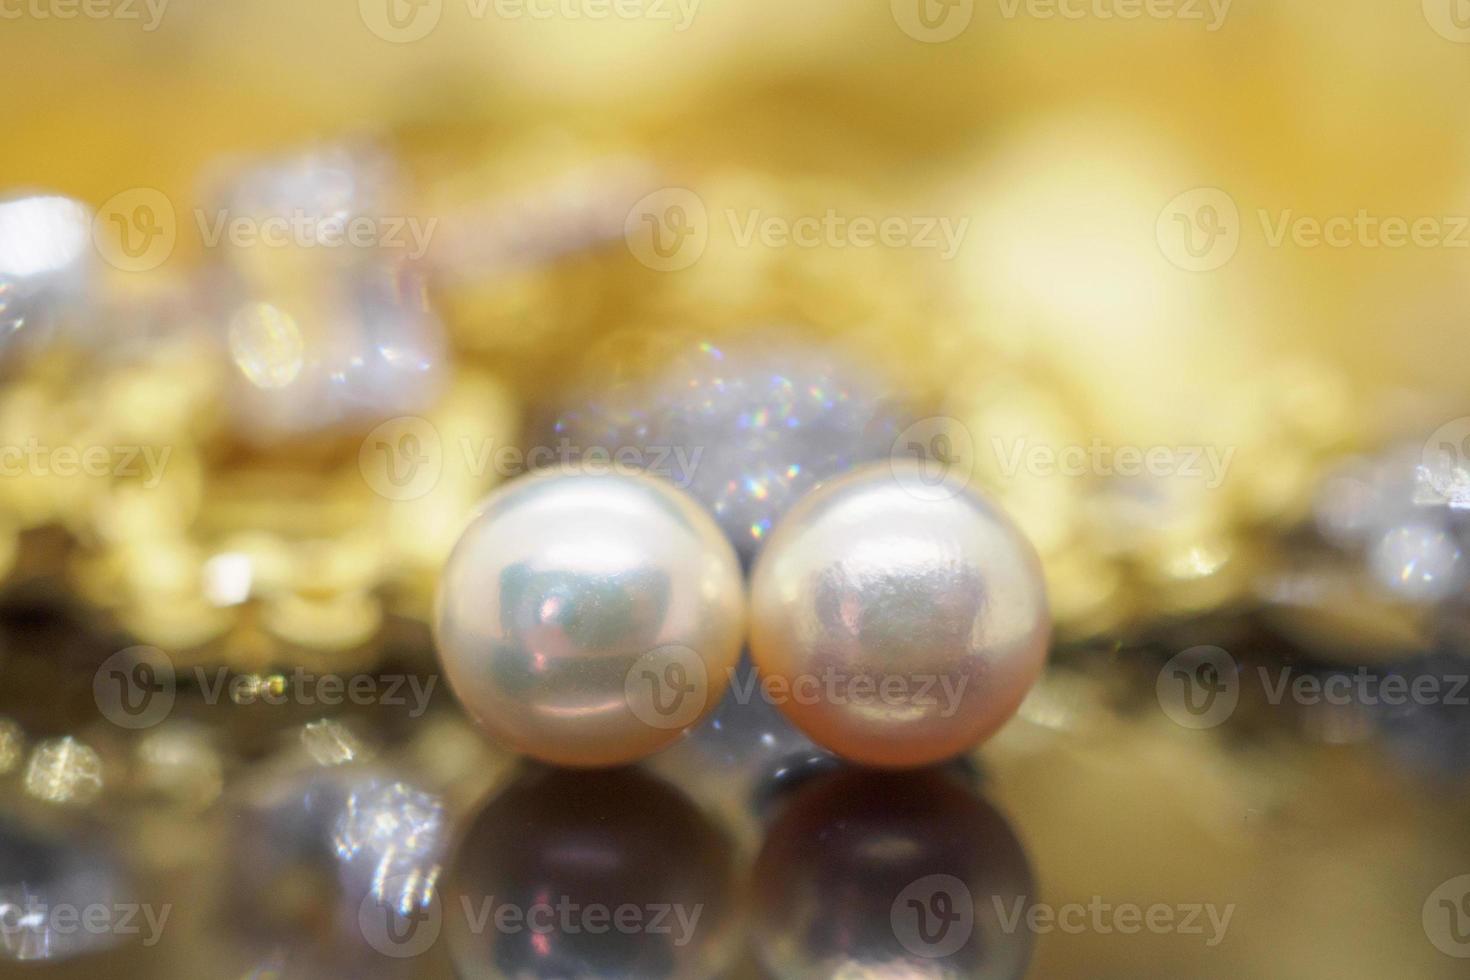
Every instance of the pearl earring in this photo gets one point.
(898, 626)
(588, 620)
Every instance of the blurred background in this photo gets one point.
(285, 289)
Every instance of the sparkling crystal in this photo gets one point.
(46, 266)
(316, 191)
(331, 743)
(180, 763)
(390, 838)
(12, 745)
(745, 428)
(361, 345)
(265, 344)
(1419, 561)
(325, 328)
(64, 770)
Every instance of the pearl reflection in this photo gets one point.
(856, 858)
(568, 853)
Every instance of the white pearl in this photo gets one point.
(588, 620)
(901, 622)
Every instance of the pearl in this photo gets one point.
(587, 620)
(896, 621)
